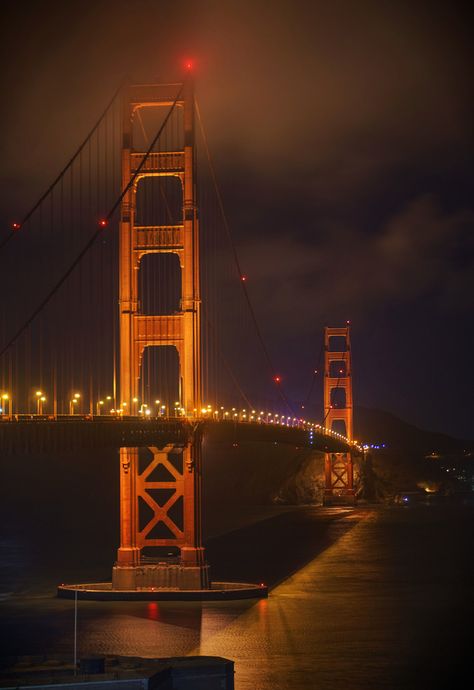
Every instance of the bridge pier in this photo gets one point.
(339, 479)
(160, 511)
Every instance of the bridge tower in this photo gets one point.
(338, 467)
(160, 496)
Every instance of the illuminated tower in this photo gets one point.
(181, 330)
(147, 519)
(339, 469)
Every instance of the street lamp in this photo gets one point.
(74, 403)
(6, 399)
(99, 406)
(39, 397)
(134, 406)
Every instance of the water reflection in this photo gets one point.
(153, 611)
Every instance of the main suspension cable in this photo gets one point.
(99, 230)
(17, 226)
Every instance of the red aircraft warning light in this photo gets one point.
(188, 65)
(277, 379)
(16, 226)
(103, 222)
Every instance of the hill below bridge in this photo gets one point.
(404, 457)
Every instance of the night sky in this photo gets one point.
(342, 138)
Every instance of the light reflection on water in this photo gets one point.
(371, 610)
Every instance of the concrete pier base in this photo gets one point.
(218, 591)
(348, 499)
(160, 576)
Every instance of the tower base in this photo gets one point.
(218, 591)
(160, 576)
(344, 499)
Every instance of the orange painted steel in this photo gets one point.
(181, 330)
(338, 467)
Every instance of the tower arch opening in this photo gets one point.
(147, 120)
(159, 201)
(338, 397)
(159, 283)
(160, 380)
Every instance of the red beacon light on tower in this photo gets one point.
(16, 226)
(277, 379)
(188, 65)
(103, 222)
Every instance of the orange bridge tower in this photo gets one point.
(160, 495)
(339, 469)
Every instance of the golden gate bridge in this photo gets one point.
(136, 219)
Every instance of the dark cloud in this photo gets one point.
(349, 274)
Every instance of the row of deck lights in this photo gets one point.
(144, 409)
(74, 405)
(40, 399)
(268, 418)
(207, 412)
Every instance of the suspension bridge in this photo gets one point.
(128, 324)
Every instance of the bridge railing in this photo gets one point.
(238, 417)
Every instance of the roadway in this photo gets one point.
(44, 434)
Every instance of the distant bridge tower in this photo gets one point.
(339, 469)
(160, 502)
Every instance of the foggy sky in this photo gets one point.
(342, 138)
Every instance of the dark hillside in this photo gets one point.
(378, 426)
(409, 458)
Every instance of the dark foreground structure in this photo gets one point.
(122, 673)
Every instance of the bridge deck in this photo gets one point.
(34, 434)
